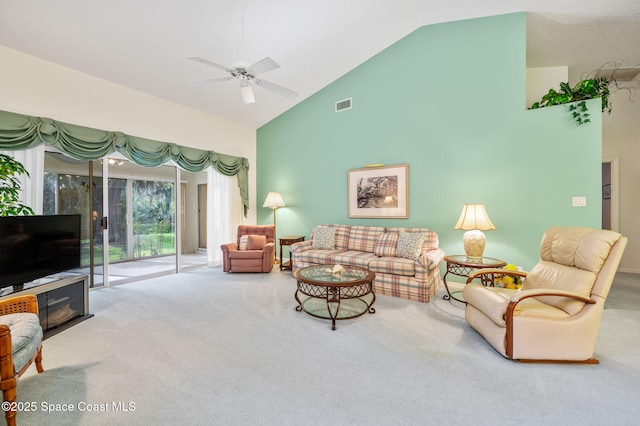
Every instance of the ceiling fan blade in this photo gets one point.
(208, 62)
(277, 89)
(211, 80)
(264, 65)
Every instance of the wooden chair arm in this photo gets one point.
(13, 305)
(522, 295)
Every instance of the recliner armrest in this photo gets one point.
(269, 247)
(229, 247)
(525, 294)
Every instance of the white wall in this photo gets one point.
(33, 86)
(621, 141)
(540, 80)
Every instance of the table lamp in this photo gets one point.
(274, 201)
(474, 219)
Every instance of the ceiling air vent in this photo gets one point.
(343, 105)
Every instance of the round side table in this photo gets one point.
(463, 266)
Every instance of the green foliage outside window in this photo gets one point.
(10, 172)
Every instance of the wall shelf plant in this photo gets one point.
(577, 96)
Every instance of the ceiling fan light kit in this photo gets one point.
(247, 93)
(247, 74)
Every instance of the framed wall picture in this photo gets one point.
(606, 192)
(379, 192)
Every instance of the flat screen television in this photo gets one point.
(33, 247)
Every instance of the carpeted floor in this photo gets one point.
(205, 347)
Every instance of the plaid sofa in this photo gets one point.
(366, 246)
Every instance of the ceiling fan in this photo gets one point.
(248, 75)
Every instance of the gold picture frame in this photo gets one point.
(379, 192)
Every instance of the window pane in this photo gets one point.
(153, 218)
(117, 220)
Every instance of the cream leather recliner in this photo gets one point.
(555, 317)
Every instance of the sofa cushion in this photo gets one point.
(386, 244)
(393, 265)
(256, 242)
(431, 240)
(252, 242)
(246, 254)
(354, 258)
(342, 234)
(363, 238)
(410, 244)
(324, 238)
(26, 335)
(317, 257)
(243, 243)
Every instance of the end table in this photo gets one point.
(463, 266)
(287, 241)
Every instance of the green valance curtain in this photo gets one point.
(18, 132)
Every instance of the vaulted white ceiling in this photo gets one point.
(144, 44)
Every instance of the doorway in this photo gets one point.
(610, 197)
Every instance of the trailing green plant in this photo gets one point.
(10, 171)
(577, 97)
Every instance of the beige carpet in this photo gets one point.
(205, 347)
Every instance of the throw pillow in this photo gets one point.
(386, 244)
(244, 242)
(324, 238)
(410, 244)
(256, 242)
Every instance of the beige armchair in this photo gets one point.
(556, 315)
(253, 251)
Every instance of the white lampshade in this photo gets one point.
(474, 219)
(273, 201)
(474, 216)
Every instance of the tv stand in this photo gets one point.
(63, 300)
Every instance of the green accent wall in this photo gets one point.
(449, 101)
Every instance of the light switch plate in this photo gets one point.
(579, 201)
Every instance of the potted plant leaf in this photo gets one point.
(577, 97)
(10, 171)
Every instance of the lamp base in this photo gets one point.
(474, 242)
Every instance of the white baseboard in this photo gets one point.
(629, 270)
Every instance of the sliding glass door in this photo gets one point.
(75, 187)
(130, 231)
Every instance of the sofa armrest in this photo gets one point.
(431, 259)
(301, 246)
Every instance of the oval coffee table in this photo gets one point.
(332, 296)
